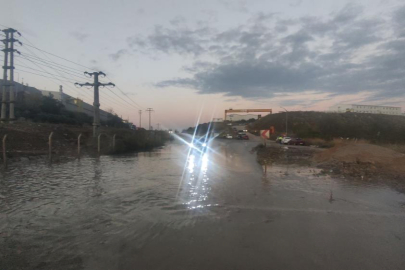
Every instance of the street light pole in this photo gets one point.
(286, 121)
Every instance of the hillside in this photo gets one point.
(373, 127)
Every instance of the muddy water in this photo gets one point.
(179, 209)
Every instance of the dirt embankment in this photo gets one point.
(30, 140)
(358, 161)
(363, 160)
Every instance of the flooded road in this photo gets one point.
(177, 208)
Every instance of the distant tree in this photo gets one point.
(51, 105)
(251, 120)
(113, 120)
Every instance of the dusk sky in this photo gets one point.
(182, 57)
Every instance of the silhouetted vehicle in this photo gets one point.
(296, 141)
(243, 137)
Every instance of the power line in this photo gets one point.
(122, 92)
(32, 46)
(112, 98)
(36, 57)
(123, 99)
(47, 64)
(69, 81)
(53, 63)
(38, 65)
(43, 70)
(72, 81)
(72, 74)
(53, 75)
(40, 75)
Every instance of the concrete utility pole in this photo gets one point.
(5, 66)
(12, 94)
(150, 110)
(96, 103)
(9, 51)
(140, 118)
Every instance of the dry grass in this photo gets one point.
(396, 147)
(320, 142)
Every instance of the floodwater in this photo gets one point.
(179, 209)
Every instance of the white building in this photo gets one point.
(74, 104)
(342, 108)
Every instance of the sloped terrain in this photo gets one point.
(373, 127)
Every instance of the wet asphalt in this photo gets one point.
(179, 208)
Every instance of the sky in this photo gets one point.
(187, 58)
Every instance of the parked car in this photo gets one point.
(229, 136)
(285, 140)
(297, 141)
(243, 137)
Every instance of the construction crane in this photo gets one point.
(246, 111)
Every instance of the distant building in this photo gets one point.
(22, 91)
(74, 104)
(342, 108)
(25, 92)
(239, 117)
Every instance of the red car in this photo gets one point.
(296, 141)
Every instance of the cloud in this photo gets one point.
(168, 40)
(238, 6)
(116, 56)
(345, 52)
(79, 36)
(178, 20)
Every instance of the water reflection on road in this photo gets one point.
(176, 208)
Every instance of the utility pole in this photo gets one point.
(5, 66)
(8, 50)
(12, 94)
(96, 103)
(158, 126)
(150, 110)
(140, 118)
